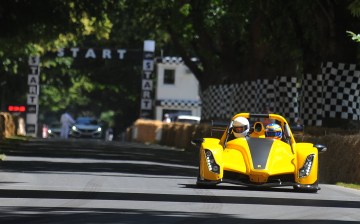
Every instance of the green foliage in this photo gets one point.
(233, 41)
(354, 36)
(354, 7)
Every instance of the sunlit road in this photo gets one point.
(48, 181)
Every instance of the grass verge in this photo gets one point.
(353, 186)
(2, 157)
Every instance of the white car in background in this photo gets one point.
(86, 127)
(187, 119)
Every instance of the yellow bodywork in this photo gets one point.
(258, 159)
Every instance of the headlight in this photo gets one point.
(306, 168)
(212, 165)
(99, 129)
(49, 131)
(74, 128)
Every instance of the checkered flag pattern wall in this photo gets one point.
(176, 103)
(286, 97)
(210, 102)
(341, 91)
(222, 102)
(335, 93)
(311, 100)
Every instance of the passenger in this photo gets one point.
(241, 127)
(273, 131)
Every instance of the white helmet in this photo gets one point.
(241, 127)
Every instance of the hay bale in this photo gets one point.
(2, 126)
(8, 128)
(169, 134)
(340, 163)
(146, 130)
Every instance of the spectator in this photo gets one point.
(66, 121)
(298, 122)
(109, 134)
(266, 110)
(167, 118)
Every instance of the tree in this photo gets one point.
(220, 41)
(244, 40)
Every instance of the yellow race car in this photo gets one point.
(266, 156)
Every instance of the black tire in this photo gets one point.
(204, 184)
(309, 188)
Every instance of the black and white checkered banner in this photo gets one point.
(341, 91)
(280, 95)
(333, 94)
(177, 103)
(311, 95)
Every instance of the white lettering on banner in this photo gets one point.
(32, 99)
(146, 104)
(121, 53)
(34, 89)
(106, 54)
(61, 52)
(147, 84)
(90, 53)
(74, 51)
(33, 79)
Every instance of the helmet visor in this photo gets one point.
(240, 129)
(273, 134)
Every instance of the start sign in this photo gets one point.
(32, 96)
(92, 53)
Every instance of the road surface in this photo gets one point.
(86, 181)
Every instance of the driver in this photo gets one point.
(273, 131)
(241, 127)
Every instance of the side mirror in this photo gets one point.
(320, 148)
(197, 142)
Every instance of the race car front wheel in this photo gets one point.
(307, 188)
(205, 183)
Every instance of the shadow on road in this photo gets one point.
(154, 197)
(110, 157)
(125, 159)
(127, 216)
(70, 214)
